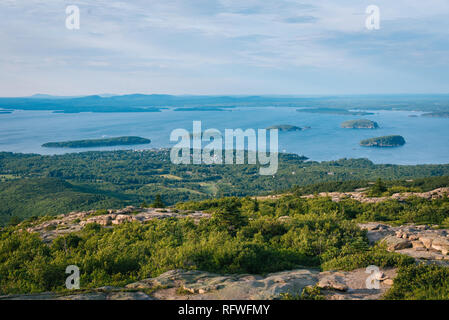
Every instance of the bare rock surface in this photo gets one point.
(394, 243)
(76, 221)
(112, 294)
(355, 286)
(418, 241)
(362, 197)
(199, 285)
(333, 281)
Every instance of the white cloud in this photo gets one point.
(178, 39)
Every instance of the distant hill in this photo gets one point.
(335, 111)
(49, 96)
(441, 114)
(385, 141)
(89, 143)
(24, 198)
(340, 105)
(128, 103)
(360, 124)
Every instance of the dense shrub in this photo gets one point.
(132, 251)
(422, 282)
(240, 237)
(377, 256)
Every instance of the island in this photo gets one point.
(287, 128)
(360, 124)
(439, 114)
(335, 111)
(385, 141)
(205, 108)
(90, 143)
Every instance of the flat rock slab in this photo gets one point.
(198, 285)
(356, 287)
(96, 295)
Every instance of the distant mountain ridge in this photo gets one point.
(123, 103)
(137, 102)
(49, 96)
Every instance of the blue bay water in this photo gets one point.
(427, 138)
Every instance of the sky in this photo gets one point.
(223, 47)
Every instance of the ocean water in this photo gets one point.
(427, 138)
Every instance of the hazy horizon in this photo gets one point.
(268, 95)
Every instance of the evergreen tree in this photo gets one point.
(256, 205)
(229, 215)
(144, 204)
(378, 188)
(158, 203)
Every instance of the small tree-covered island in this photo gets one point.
(90, 143)
(359, 124)
(385, 141)
(287, 128)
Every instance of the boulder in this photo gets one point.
(388, 282)
(332, 282)
(373, 226)
(121, 218)
(418, 245)
(427, 241)
(441, 244)
(395, 243)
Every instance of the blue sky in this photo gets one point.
(224, 47)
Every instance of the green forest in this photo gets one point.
(36, 185)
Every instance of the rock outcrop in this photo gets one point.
(362, 197)
(199, 285)
(418, 241)
(76, 221)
